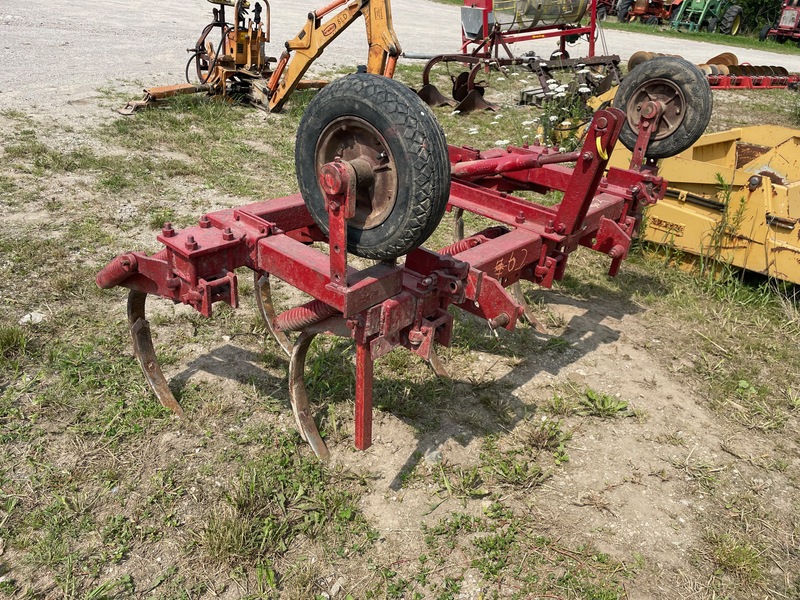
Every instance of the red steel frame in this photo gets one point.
(386, 306)
(752, 82)
(535, 33)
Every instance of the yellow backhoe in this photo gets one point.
(238, 64)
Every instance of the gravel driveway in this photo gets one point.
(55, 59)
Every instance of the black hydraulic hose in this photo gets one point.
(198, 50)
(194, 55)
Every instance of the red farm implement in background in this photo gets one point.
(375, 177)
(489, 27)
(491, 24)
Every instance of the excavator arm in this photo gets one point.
(308, 45)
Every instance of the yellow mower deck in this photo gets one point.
(755, 223)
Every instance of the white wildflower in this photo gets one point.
(456, 112)
(502, 142)
(552, 81)
(584, 89)
(501, 79)
(560, 95)
(553, 118)
(562, 149)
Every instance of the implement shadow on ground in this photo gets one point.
(585, 331)
(426, 403)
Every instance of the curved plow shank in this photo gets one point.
(527, 314)
(266, 308)
(299, 396)
(144, 351)
(458, 224)
(438, 366)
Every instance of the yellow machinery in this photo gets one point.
(734, 196)
(239, 66)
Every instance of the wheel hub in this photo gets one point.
(355, 140)
(671, 99)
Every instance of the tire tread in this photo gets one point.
(421, 136)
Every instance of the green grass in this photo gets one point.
(501, 548)
(737, 557)
(275, 499)
(598, 404)
(13, 342)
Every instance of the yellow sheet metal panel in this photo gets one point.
(754, 221)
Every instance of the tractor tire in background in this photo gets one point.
(713, 25)
(402, 158)
(764, 33)
(731, 22)
(652, 21)
(623, 8)
(685, 91)
(602, 13)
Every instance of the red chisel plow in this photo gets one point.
(375, 179)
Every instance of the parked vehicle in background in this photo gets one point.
(694, 15)
(650, 12)
(710, 15)
(606, 8)
(788, 25)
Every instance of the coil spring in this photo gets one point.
(304, 316)
(461, 246)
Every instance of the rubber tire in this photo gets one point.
(623, 8)
(652, 21)
(764, 33)
(416, 142)
(699, 103)
(712, 25)
(726, 25)
(602, 13)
